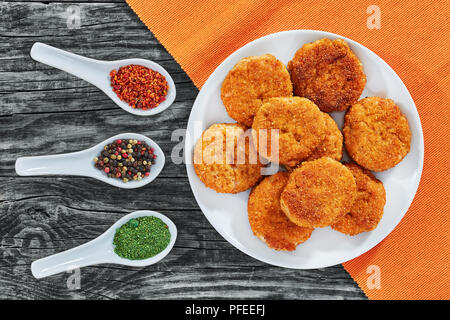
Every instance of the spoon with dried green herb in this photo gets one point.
(141, 238)
(138, 239)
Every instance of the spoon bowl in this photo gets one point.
(101, 250)
(97, 72)
(81, 163)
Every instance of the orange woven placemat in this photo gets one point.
(413, 261)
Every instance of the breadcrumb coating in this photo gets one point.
(251, 81)
(318, 193)
(328, 73)
(332, 143)
(268, 221)
(368, 208)
(299, 127)
(376, 133)
(225, 159)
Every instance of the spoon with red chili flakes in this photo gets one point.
(138, 86)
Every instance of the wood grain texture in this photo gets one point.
(46, 111)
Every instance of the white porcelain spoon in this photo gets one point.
(97, 72)
(81, 163)
(100, 250)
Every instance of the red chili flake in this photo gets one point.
(139, 86)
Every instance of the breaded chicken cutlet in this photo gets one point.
(318, 193)
(376, 133)
(332, 143)
(268, 221)
(250, 82)
(368, 208)
(328, 73)
(225, 159)
(296, 122)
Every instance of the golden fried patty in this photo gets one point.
(328, 73)
(268, 221)
(250, 82)
(318, 193)
(368, 208)
(225, 159)
(295, 123)
(376, 133)
(331, 144)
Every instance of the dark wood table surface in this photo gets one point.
(46, 111)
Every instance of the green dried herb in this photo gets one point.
(141, 238)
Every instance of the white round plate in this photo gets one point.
(326, 247)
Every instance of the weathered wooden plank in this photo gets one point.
(87, 193)
(30, 87)
(27, 86)
(46, 111)
(201, 265)
(106, 31)
(69, 1)
(54, 97)
(62, 132)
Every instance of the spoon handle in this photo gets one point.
(91, 70)
(60, 164)
(90, 253)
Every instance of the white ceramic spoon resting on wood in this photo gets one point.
(97, 72)
(81, 163)
(100, 250)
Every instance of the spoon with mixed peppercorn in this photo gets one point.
(139, 86)
(139, 239)
(127, 160)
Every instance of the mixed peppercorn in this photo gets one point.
(126, 159)
(139, 86)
